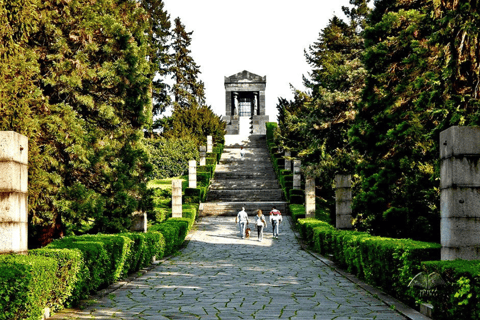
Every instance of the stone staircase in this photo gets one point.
(248, 182)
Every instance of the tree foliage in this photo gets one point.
(384, 84)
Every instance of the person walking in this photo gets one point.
(242, 219)
(275, 219)
(242, 153)
(260, 223)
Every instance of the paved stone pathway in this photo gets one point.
(220, 276)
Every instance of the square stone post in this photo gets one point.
(13, 192)
(460, 193)
(343, 201)
(176, 198)
(203, 155)
(288, 162)
(297, 182)
(209, 144)
(192, 174)
(310, 197)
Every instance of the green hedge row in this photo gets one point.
(204, 175)
(460, 297)
(384, 262)
(70, 269)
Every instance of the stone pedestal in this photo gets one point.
(310, 198)
(343, 201)
(297, 178)
(209, 144)
(176, 198)
(259, 122)
(203, 155)
(192, 174)
(139, 222)
(288, 162)
(460, 193)
(13, 192)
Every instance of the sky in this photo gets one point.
(265, 37)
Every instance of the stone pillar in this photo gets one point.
(209, 144)
(310, 197)
(297, 181)
(139, 222)
(460, 193)
(192, 174)
(343, 201)
(13, 192)
(203, 155)
(288, 162)
(176, 198)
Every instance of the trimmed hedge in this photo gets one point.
(460, 298)
(297, 196)
(384, 262)
(26, 283)
(297, 211)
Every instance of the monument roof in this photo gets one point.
(245, 76)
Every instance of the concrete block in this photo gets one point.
(310, 197)
(464, 253)
(343, 181)
(458, 141)
(13, 147)
(459, 232)
(176, 198)
(462, 171)
(203, 154)
(343, 207)
(139, 222)
(344, 221)
(460, 203)
(343, 194)
(13, 177)
(13, 207)
(13, 237)
(209, 144)
(192, 174)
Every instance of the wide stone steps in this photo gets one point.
(245, 184)
(245, 195)
(248, 181)
(233, 207)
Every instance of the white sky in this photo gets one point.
(265, 37)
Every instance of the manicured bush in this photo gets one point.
(385, 262)
(205, 169)
(93, 273)
(26, 283)
(193, 195)
(169, 232)
(270, 129)
(69, 265)
(460, 297)
(297, 211)
(297, 196)
(203, 178)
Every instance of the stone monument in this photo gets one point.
(13, 192)
(245, 103)
(310, 197)
(460, 193)
(343, 201)
(176, 198)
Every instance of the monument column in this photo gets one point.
(13, 192)
(460, 193)
(343, 201)
(310, 197)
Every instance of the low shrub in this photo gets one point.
(460, 297)
(297, 196)
(69, 265)
(26, 282)
(193, 195)
(270, 129)
(297, 211)
(385, 262)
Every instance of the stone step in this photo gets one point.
(232, 208)
(244, 175)
(246, 184)
(245, 195)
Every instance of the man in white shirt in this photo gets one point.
(275, 219)
(242, 219)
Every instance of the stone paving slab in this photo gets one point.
(221, 276)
